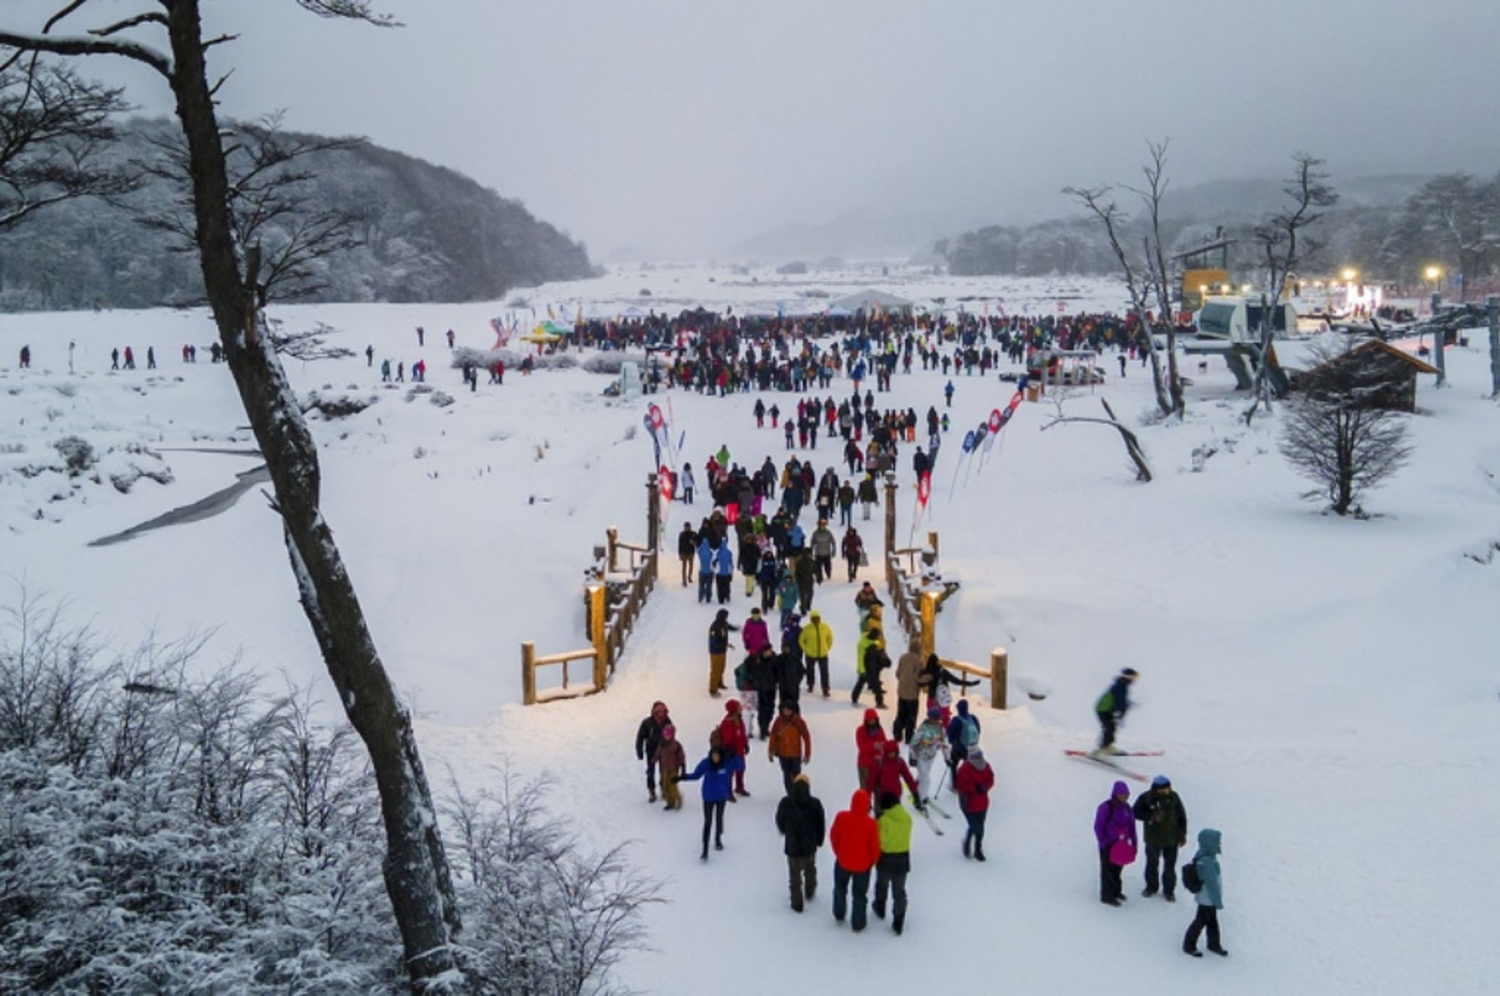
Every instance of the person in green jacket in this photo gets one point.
(895, 860)
(1210, 897)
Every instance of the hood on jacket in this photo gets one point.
(860, 802)
(658, 711)
(722, 615)
(1208, 840)
(732, 706)
(963, 707)
(871, 716)
(1120, 789)
(801, 789)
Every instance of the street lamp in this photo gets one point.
(1439, 336)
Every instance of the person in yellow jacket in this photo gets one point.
(816, 642)
(895, 860)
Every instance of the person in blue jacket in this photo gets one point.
(723, 570)
(717, 772)
(1210, 897)
(705, 570)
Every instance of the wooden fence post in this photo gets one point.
(612, 535)
(653, 513)
(890, 513)
(932, 541)
(528, 674)
(999, 675)
(596, 635)
(929, 623)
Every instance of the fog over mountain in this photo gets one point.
(684, 128)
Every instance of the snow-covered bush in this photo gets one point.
(543, 917)
(77, 454)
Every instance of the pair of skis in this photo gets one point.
(926, 813)
(1107, 760)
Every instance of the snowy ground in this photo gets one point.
(1318, 684)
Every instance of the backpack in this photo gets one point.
(1106, 703)
(1191, 880)
(969, 734)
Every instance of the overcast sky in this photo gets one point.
(688, 125)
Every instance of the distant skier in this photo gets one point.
(1111, 709)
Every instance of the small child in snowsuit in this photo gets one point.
(671, 759)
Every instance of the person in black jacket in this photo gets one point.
(687, 551)
(718, 650)
(764, 669)
(648, 738)
(1166, 826)
(799, 817)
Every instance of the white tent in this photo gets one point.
(870, 300)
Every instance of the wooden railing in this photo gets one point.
(916, 604)
(611, 607)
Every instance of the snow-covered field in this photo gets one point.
(1320, 686)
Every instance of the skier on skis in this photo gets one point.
(1111, 709)
(926, 744)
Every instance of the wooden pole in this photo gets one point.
(999, 677)
(890, 514)
(653, 512)
(612, 535)
(932, 541)
(602, 662)
(528, 673)
(929, 624)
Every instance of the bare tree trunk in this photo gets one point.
(416, 870)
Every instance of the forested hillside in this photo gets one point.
(417, 232)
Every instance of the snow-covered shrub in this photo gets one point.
(159, 834)
(336, 405)
(126, 465)
(543, 917)
(441, 399)
(77, 454)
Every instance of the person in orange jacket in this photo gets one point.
(790, 743)
(855, 838)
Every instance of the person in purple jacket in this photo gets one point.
(717, 771)
(1114, 822)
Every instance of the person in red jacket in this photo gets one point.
(735, 740)
(888, 772)
(974, 780)
(855, 839)
(868, 740)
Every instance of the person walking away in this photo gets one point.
(1210, 896)
(870, 658)
(705, 568)
(926, 744)
(1166, 826)
(865, 600)
(764, 672)
(716, 771)
(688, 486)
(799, 818)
(687, 548)
(804, 570)
(723, 570)
(888, 772)
(790, 743)
(735, 739)
(973, 782)
(908, 670)
(894, 863)
(1114, 832)
(1111, 709)
(718, 650)
(869, 745)
(816, 641)
(647, 739)
(963, 736)
(855, 839)
(671, 761)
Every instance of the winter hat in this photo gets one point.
(802, 777)
(1161, 782)
(732, 706)
(722, 614)
(1120, 789)
(755, 612)
(934, 712)
(893, 747)
(814, 614)
(976, 757)
(1130, 672)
